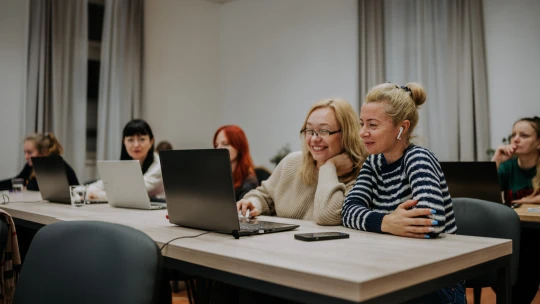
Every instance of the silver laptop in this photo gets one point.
(124, 185)
(200, 193)
(52, 178)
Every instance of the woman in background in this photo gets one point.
(137, 144)
(518, 163)
(234, 139)
(164, 146)
(519, 178)
(39, 145)
(312, 184)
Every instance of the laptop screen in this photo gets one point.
(473, 179)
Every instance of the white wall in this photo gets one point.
(278, 58)
(512, 31)
(13, 52)
(181, 71)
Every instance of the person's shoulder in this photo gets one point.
(293, 158)
(416, 151)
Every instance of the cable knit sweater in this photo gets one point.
(285, 194)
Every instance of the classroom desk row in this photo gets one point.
(366, 268)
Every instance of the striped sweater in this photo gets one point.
(381, 187)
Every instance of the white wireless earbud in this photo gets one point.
(399, 134)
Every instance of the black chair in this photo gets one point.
(262, 174)
(92, 262)
(4, 229)
(488, 219)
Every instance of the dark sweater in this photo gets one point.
(31, 182)
(249, 184)
(381, 187)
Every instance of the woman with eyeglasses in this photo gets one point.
(35, 145)
(137, 144)
(234, 139)
(313, 183)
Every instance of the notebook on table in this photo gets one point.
(200, 193)
(124, 185)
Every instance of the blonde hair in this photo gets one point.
(535, 124)
(46, 143)
(402, 102)
(350, 140)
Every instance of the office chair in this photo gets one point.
(92, 262)
(4, 229)
(488, 219)
(262, 174)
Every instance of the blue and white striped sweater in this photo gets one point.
(381, 187)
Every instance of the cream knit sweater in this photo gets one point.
(285, 194)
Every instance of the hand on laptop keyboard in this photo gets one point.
(243, 216)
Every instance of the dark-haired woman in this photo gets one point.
(137, 144)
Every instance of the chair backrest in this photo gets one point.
(90, 262)
(262, 174)
(4, 229)
(488, 219)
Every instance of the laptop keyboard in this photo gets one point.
(251, 225)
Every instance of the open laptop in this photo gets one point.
(473, 179)
(124, 185)
(52, 178)
(200, 193)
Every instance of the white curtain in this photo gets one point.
(57, 75)
(120, 79)
(440, 44)
(371, 48)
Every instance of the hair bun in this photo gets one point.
(418, 93)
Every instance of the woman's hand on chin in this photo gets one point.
(342, 162)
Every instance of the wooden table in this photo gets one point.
(529, 219)
(367, 268)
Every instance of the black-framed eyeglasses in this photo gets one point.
(321, 133)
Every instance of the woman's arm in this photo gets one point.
(424, 180)
(153, 180)
(96, 192)
(356, 212)
(329, 196)
(262, 198)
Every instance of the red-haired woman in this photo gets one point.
(234, 139)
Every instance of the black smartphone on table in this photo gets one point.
(321, 236)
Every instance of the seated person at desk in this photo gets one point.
(138, 144)
(312, 184)
(234, 139)
(519, 176)
(39, 144)
(401, 188)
